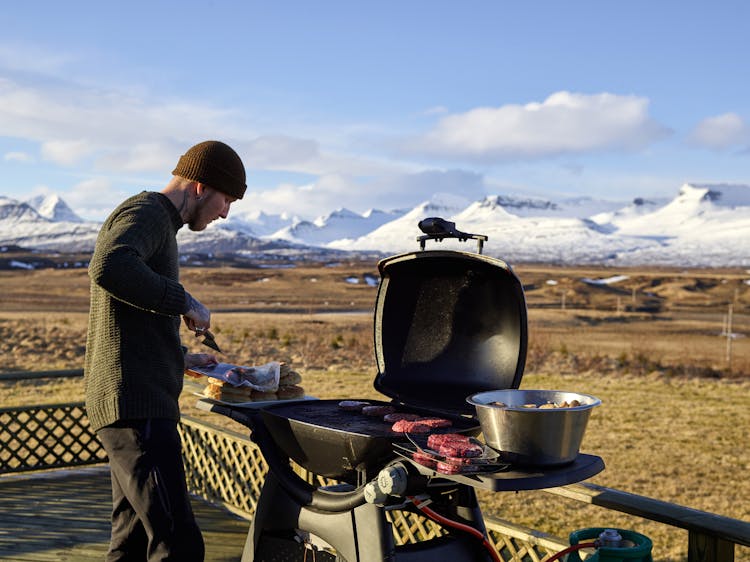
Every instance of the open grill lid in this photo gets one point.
(448, 324)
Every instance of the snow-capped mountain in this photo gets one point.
(704, 225)
(398, 235)
(638, 208)
(571, 207)
(52, 207)
(258, 223)
(21, 225)
(12, 211)
(340, 224)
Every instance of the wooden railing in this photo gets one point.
(226, 468)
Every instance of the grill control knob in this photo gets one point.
(392, 480)
(374, 495)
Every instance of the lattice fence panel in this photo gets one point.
(411, 527)
(521, 544)
(512, 549)
(49, 436)
(221, 467)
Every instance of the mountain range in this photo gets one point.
(703, 225)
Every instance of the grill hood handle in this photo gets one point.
(437, 228)
(300, 491)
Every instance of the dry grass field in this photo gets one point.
(675, 415)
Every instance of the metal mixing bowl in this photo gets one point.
(533, 436)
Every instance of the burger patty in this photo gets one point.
(436, 439)
(435, 422)
(408, 426)
(378, 410)
(397, 416)
(458, 449)
(353, 405)
(424, 459)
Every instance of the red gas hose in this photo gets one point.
(476, 533)
(572, 548)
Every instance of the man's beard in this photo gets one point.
(198, 221)
(197, 226)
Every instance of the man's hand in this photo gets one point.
(197, 315)
(198, 360)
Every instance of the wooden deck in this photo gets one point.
(63, 515)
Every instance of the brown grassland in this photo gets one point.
(675, 418)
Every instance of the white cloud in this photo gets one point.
(564, 123)
(16, 156)
(721, 132)
(281, 152)
(72, 122)
(386, 192)
(123, 133)
(27, 57)
(66, 152)
(95, 198)
(142, 157)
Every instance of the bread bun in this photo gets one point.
(291, 377)
(258, 396)
(290, 392)
(227, 393)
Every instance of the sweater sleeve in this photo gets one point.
(126, 260)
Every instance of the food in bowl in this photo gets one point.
(546, 406)
(534, 427)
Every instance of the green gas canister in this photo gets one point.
(613, 545)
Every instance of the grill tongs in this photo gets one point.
(436, 228)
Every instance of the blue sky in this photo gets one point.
(378, 104)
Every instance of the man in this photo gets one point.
(134, 358)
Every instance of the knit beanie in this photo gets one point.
(215, 164)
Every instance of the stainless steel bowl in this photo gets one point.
(533, 436)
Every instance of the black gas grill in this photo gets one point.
(447, 324)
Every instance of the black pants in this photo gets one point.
(152, 518)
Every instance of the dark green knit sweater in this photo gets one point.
(134, 360)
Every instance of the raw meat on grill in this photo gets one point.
(396, 416)
(424, 459)
(407, 426)
(353, 405)
(436, 439)
(457, 449)
(378, 411)
(435, 422)
(448, 468)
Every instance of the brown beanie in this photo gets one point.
(215, 164)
